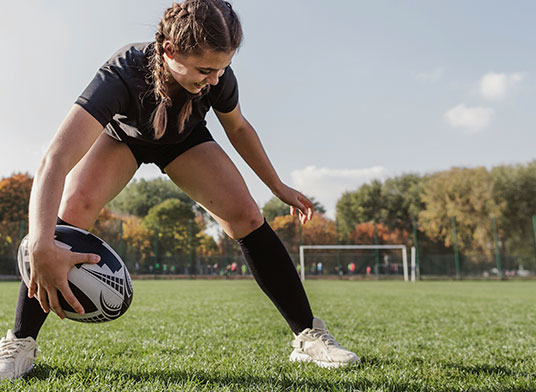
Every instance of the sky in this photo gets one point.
(340, 92)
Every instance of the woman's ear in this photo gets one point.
(168, 49)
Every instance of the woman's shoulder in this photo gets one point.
(227, 81)
(224, 96)
(133, 57)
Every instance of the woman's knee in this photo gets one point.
(247, 220)
(80, 208)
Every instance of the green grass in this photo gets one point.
(226, 336)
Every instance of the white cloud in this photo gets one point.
(327, 185)
(496, 86)
(472, 119)
(432, 76)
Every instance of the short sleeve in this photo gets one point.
(224, 96)
(105, 96)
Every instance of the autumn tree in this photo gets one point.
(363, 234)
(14, 197)
(138, 241)
(319, 231)
(108, 227)
(205, 244)
(466, 195)
(286, 227)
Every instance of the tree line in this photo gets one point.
(154, 218)
(471, 198)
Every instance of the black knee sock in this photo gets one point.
(275, 273)
(29, 317)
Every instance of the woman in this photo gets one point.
(147, 104)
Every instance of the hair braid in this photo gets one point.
(192, 26)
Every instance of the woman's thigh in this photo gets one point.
(209, 177)
(100, 175)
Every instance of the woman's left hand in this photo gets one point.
(298, 203)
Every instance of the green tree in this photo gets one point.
(402, 201)
(141, 195)
(515, 194)
(171, 219)
(275, 207)
(319, 207)
(362, 205)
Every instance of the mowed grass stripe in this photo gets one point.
(226, 336)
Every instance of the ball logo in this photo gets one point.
(85, 242)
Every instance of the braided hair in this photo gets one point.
(192, 26)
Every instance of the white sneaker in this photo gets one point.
(17, 356)
(317, 345)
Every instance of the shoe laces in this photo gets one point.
(324, 336)
(10, 347)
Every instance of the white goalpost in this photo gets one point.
(374, 247)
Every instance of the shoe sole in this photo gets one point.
(20, 376)
(26, 372)
(302, 357)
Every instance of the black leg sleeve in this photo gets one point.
(274, 271)
(29, 317)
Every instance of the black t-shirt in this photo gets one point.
(122, 100)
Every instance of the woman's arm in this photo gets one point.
(50, 265)
(247, 143)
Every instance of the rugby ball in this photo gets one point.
(104, 289)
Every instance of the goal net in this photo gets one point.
(383, 263)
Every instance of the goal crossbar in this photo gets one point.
(401, 247)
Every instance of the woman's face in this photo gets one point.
(195, 71)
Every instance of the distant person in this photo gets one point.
(319, 268)
(147, 104)
(351, 268)
(387, 264)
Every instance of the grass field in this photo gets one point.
(226, 336)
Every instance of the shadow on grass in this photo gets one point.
(42, 371)
(284, 380)
(482, 369)
(215, 379)
(488, 369)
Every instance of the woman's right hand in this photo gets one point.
(49, 268)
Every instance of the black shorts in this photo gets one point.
(163, 154)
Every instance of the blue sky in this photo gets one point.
(340, 92)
